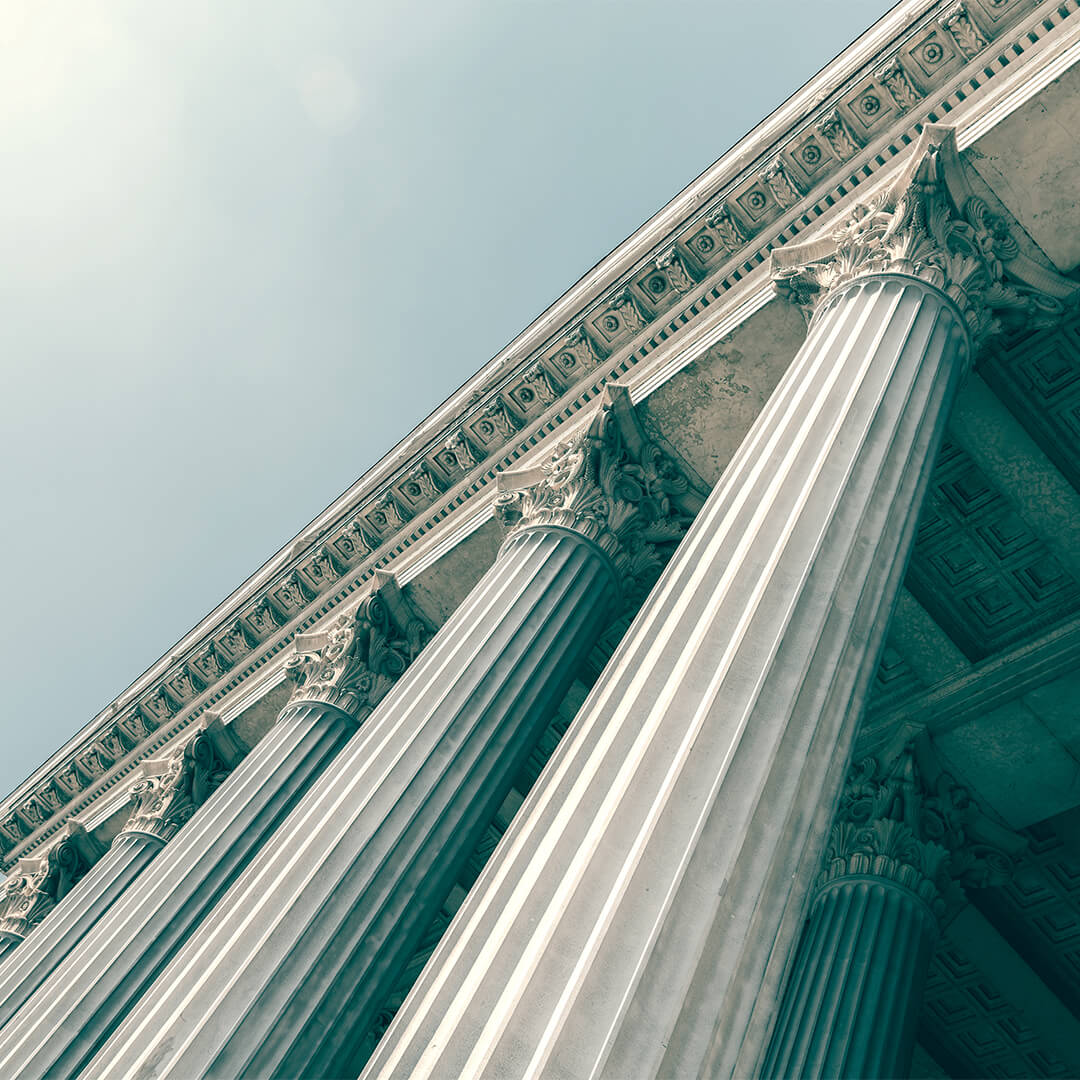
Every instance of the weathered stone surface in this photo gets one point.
(439, 590)
(1032, 162)
(998, 752)
(707, 408)
(256, 720)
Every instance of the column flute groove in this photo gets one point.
(302, 954)
(168, 794)
(340, 675)
(625, 923)
(37, 886)
(906, 842)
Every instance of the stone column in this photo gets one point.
(169, 792)
(625, 923)
(38, 885)
(72, 1011)
(291, 971)
(905, 842)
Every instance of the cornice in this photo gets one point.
(709, 244)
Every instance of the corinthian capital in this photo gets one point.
(173, 788)
(612, 484)
(38, 886)
(358, 658)
(929, 225)
(903, 818)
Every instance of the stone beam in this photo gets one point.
(1000, 446)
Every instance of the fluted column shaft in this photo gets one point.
(625, 923)
(22, 972)
(852, 1003)
(300, 955)
(73, 1010)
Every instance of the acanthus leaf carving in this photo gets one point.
(502, 419)
(49, 797)
(321, 569)
(727, 227)
(235, 640)
(576, 354)
(262, 617)
(68, 781)
(112, 744)
(353, 543)
(781, 185)
(10, 831)
(671, 263)
(425, 481)
(183, 686)
(386, 513)
(464, 453)
(157, 706)
(895, 80)
(291, 592)
(355, 661)
(628, 313)
(37, 886)
(210, 664)
(540, 384)
(580, 342)
(963, 31)
(838, 134)
(173, 788)
(612, 484)
(30, 814)
(918, 227)
(904, 818)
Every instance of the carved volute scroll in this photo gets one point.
(36, 888)
(903, 818)
(173, 788)
(358, 658)
(612, 484)
(929, 225)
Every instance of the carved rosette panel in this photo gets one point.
(612, 484)
(27, 897)
(928, 225)
(164, 800)
(904, 819)
(354, 663)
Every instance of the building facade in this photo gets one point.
(694, 693)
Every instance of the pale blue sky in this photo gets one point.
(247, 246)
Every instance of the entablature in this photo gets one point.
(690, 275)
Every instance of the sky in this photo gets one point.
(245, 247)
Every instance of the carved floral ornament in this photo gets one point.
(34, 890)
(929, 225)
(358, 658)
(173, 788)
(610, 483)
(903, 818)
